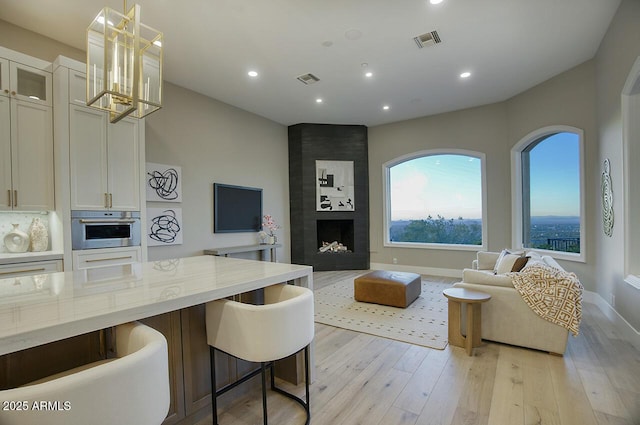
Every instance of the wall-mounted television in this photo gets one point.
(236, 208)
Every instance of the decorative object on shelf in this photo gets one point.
(334, 186)
(124, 64)
(164, 183)
(16, 240)
(38, 235)
(607, 198)
(164, 226)
(262, 235)
(270, 225)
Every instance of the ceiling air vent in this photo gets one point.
(308, 79)
(427, 39)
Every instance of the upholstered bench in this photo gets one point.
(396, 289)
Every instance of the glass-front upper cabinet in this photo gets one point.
(24, 82)
(30, 84)
(4, 77)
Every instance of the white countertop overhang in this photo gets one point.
(39, 309)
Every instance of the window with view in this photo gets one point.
(551, 207)
(435, 198)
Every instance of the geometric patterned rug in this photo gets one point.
(424, 322)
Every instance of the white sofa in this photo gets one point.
(506, 317)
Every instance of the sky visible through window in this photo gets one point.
(446, 185)
(554, 171)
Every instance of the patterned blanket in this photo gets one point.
(553, 294)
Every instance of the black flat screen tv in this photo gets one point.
(236, 208)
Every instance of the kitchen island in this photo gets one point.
(38, 309)
(53, 322)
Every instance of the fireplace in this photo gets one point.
(311, 225)
(340, 231)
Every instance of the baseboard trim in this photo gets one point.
(433, 271)
(625, 328)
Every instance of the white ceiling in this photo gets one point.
(508, 45)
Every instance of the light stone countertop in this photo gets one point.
(38, 309)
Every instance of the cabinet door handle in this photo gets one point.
(15, 198)
(129, 257)
(6, 91)
(13, 93)
(9, 201)
(23, 271)
(111, 200)
(106, 200)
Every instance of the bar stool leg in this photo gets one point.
(214, 395)
(264, 390)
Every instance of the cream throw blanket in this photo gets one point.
(553, 294)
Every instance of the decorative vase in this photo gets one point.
(272, 239)
(39, 236)
(16, 240)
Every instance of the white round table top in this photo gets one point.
(466, 295)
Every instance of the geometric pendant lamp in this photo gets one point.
(124, 64)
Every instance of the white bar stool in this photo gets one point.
(262, 333)
(131, 389)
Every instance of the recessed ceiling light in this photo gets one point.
(252, 74)
(466, 74)
(318, 100)
(386, 107)
(368, 74)
(435, 1)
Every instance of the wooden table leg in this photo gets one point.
(474, 326)
(455, 335)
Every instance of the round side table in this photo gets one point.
(473, 300)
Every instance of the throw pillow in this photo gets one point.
(506, 263)
(519, 264)
(501, 256)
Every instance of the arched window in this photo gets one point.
(549, 201)
(435, 199)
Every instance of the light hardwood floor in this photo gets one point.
(363, 379)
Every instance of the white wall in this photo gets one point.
(216, 142)
(482, 129)
(568, 99)
(616, 55)
(211, 141)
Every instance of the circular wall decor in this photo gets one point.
(607, 199)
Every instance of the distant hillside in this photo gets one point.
(555, 219)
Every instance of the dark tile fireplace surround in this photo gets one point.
(309, 228)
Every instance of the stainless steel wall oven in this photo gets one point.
(104, 229)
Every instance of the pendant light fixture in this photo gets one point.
(124, 64)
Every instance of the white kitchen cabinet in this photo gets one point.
(26, 144)
(30, 268)
(24, 82)
(104, 161)
(94, 258)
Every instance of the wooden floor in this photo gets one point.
(362, 379)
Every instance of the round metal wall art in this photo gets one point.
(607, 199)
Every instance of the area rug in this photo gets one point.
(424, 322)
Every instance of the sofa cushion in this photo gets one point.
(487, 260)
(486, 277)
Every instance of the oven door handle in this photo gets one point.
(106, 221)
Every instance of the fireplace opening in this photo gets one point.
(338, 231)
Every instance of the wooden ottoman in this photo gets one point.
(396, 289)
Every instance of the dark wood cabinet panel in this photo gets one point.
(26, 366)
(169, 325)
